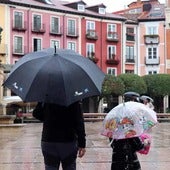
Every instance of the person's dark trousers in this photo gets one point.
(56, 153)
(125, 166)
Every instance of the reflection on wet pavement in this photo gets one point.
(20, 149)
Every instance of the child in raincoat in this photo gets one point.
(124, 156)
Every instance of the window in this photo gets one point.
(18, 19)
(18, 45)
(152, 53)
(90, 25)
(102, 10)
(71, 46)
(111, 52)
(90, 50)
(37, 22)
(55, 25)
(111, 29)
(130, 36)
(36, 44)
(71, 27)
(133, 11)
(129, 71)
(130, 30)
(111, 71)
(152, 30)
(130, 52)
(152, 72)
(81, 7)
(55, 43)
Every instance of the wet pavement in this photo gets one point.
(20, 149)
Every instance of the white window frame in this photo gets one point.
(81, 7)
(152, 30)
(111, 50)
(113, 71)
(154, 52)
(22, 19)
(55, 43)
(90, 25)
(90, 48)
(39, 27)
(129, 50)
(71, 30)
(52, 28)
(152, 72)
(71, 45)
(111, 28)
(39, 46)
(102, 10)
(18, 46)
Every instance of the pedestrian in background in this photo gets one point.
(63, 134)
(148, 101)
(131, 96)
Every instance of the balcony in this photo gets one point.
(152, 61)
(130, 59)
(19, 26)
(130, 37)
(112, 61)
(91, 34)
(56, 32)
(72, 33)
(91, 56)
(94, 59)
(112, 36)
(38, 28)
(151, 39)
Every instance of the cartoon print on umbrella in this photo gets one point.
(128, 120)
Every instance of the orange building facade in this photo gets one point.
(167, 12)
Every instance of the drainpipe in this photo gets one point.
(137, 51)
(165, 100)
(122, 48)
(165, 59)
(101, 52)
(64, 30)
(28, 30)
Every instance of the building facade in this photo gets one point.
(146, 49)
(31, 25)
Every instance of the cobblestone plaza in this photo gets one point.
(20, 148)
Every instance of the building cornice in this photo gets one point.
(85, 14)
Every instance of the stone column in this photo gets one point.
(1, 89)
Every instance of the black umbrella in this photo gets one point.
(55, 76)
(130, 95)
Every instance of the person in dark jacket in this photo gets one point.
(63, 134)
(124, 155)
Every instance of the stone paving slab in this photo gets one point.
(20, 149)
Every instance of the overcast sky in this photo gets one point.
(112, 5)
